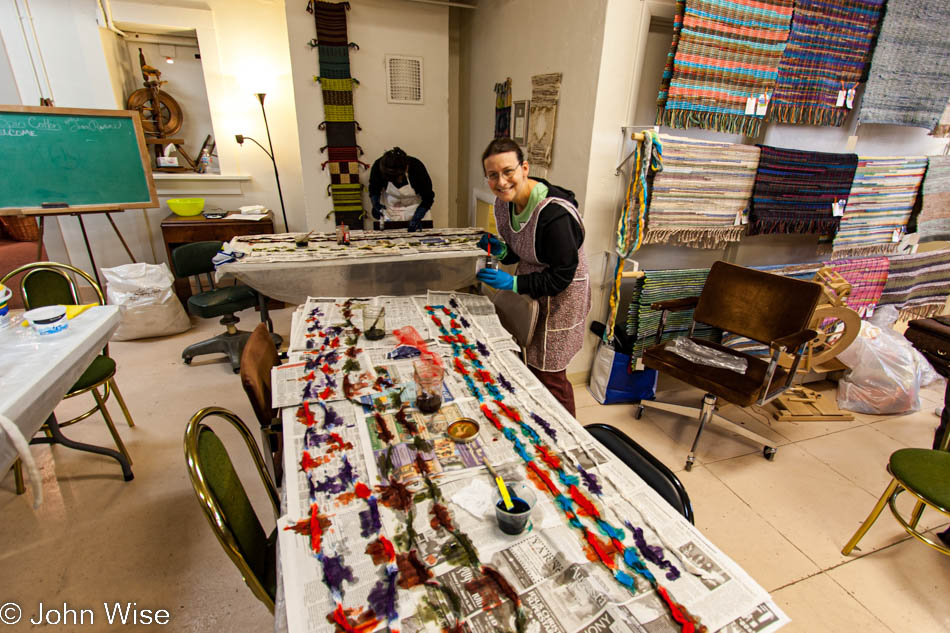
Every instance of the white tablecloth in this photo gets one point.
(37, 371)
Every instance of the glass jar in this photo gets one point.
(428, 378)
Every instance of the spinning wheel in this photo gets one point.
(170, 112)
(837, 327)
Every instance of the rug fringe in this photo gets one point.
(716, 238)
(718, 121)
(924, 311)
(806, 115)
(862, 251)
(822, 226)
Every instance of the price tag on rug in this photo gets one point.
(849, 99)
(762, 104)
(896, 236)
(840, 100)
(750, 105)
(837, 208)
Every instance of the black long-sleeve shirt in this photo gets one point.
(557, 241)
(418, 177)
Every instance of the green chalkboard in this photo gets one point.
(88, 159)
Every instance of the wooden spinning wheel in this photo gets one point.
(168, 110)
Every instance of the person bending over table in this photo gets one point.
(400, 189)
(542, 231)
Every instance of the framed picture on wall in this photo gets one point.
(519, 123)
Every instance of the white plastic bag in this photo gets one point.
(886, 372)
(147, 303)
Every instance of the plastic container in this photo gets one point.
(515, 520)
(47, 319)
(428, 379)
(186, 206)
(374, 320)
(5, 294)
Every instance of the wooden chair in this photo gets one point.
(257, 360)
(226, 505)
(767, 308)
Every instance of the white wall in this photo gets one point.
(379, 27)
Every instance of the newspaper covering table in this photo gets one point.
(391, 524)
(374, 262)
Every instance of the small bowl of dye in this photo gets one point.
(463, 430)
(513, 521)
(47, 319)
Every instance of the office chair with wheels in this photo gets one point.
(770, 309)
(195, 260)
(50, 283)
(257, 360)
(649, 468)
(226, 505)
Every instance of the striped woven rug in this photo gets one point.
(702, 188)
(918, 284)
(881, 200)
(794, 190)
(909, 81)
(933, 223)
(727, 51)
(867, 277)
(828, 51)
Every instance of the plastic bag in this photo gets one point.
(612, 381)
(886, 371)
(147, 304)
(704, 355)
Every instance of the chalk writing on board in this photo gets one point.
(6, 132)
(91, 125)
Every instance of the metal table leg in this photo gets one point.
(59, 438)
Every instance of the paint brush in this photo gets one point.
(502, 488)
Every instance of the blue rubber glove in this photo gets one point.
(498, 279)
(416, 222)
(377, 207)
(492, 244)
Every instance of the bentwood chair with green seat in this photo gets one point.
(924, 473)
(226, 505)
(195, 259)
(50, 283)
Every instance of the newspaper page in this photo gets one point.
(555, 576)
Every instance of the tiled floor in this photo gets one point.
(98, 539)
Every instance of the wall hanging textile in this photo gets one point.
(827, 54)
(933, 223)
(881, 199)
(703, 187)
(918, 284)
(648, 155)
(909, 81)
(503, 109)
(336, 84)
(667, 76)
(725, 64)
(542, 117)
(795, 190)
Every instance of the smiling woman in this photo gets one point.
(542, 232)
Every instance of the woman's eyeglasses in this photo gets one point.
(508, 172)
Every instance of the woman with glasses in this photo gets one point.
(400, 190)
(542, 231)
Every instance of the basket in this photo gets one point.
(21, 228)
(186, 206)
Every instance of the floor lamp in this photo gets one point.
(240, 138)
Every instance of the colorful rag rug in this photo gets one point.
(827, 54)
(661, 285)
(867, 276)
(795, 190)
(933, 223)
(909, 81)
(918, 284)
(726, 54)
(881, 200)
(701, 190)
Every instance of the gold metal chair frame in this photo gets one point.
(108, 384)
(212, 510)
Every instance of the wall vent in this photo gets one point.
(404, 79)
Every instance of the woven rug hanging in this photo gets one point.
(867, 276)
(725, 64)
(797, 191)
(503, 109)
(699, 197)
(909, 81)
(648, 156)
(545, 93)
(918, 284)
(828, 51)
(667, 76)
(933, 223)
(880, 202)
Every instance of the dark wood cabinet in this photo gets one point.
(178, 230)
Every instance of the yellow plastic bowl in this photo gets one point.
(186, 206)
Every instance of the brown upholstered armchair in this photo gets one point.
(764, 307)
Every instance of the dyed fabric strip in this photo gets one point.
(727, 52)
(934, 220)
(347, 197)
(918, 284)
(700, 191)
(794, 190)
(331, 22)
(909, 81)
(338, 113)
(881, 200)
(827, 53)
